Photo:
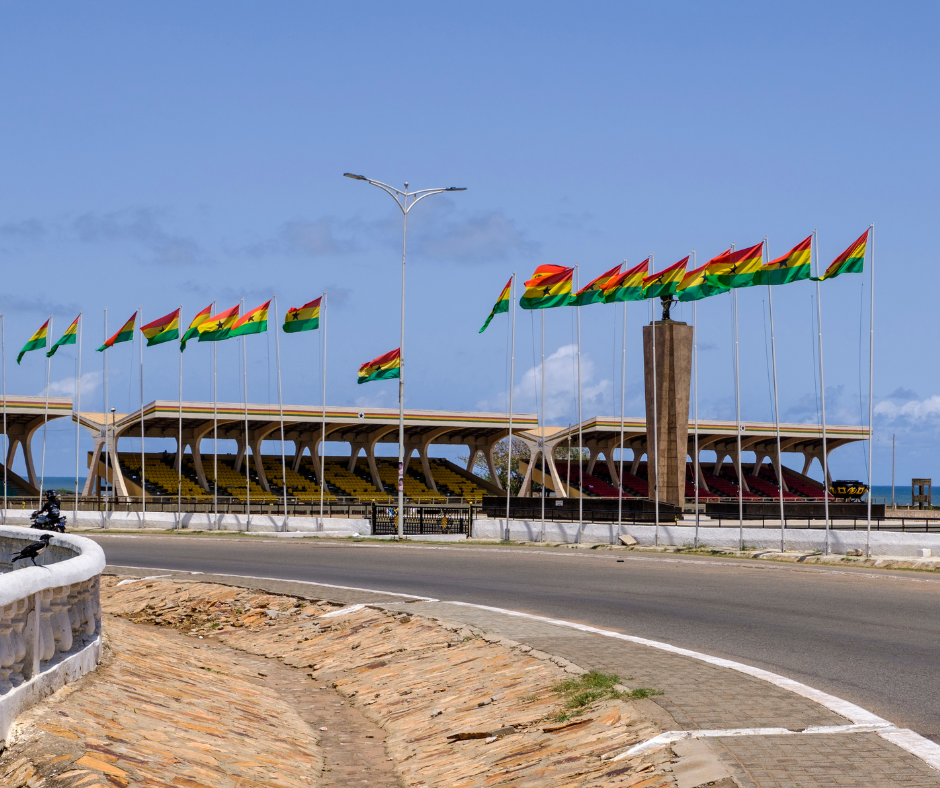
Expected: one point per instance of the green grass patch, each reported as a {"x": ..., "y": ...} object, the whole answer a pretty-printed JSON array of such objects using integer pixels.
[{"x": 591, "y": 687}]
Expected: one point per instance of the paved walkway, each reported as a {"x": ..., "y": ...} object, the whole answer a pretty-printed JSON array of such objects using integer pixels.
[{"x": 697, "y": 696}]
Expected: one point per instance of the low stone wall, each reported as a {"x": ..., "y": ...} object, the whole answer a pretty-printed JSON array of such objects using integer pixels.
[
  {"x": 50, "y": 618},
  {"x": 338, "y": 526},
  {"x": 883, "y": 543}
]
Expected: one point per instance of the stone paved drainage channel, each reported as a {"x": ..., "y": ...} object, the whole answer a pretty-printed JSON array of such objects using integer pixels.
[{"x": 698, "y": 695}]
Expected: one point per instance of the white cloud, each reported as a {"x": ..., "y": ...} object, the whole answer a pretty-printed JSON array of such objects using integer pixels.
[
  {"x": 561, "y": 380},
  {"x": 65, "y": 387},
  {"x": 481, "y": 237},
  {"x": 912, "y": 411}
]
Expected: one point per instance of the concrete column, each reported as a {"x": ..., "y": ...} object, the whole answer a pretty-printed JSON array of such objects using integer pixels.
[
  {"x": 354, "y": 449},
  {"x": 673, "y": 381},
  {"x": 491, "y": 464}
]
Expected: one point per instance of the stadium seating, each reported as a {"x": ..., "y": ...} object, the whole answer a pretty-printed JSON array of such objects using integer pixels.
[
  {"x": 162, "y": 479},
  {"x": 232, "y": 482},
  {"x": 299, "y": 487},
  {"x": 453, "y": 484},
  {"x": 801, "y": 486},
  {"x": 413, "y": 487}
]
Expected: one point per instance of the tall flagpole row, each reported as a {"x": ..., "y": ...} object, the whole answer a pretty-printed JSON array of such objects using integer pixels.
[
  {"x": 247, "y": 441},
  {"x": 737, "y": 408},
  {"x": 78, "y": 418},
  {"x": 577, "y": 271},
  {"x": 695, "y": 464},
  {"x": 179, "y": 445},
  {"x": 655, "y": 426},
  {"x": 773, "y": 356},
  {"x": 512, "y": 378},
  {"x": 871, "y": 383},
  {"x": 323, "y": 412},
  {"x": 542, "y": 436},
  {"x": 280, "y": 404},
  {"x": 143, "y": 456},
  {"x": 45, "y": 419},
  {"x": 623, "y": 395},
  {"x": 822, "y": 390}
]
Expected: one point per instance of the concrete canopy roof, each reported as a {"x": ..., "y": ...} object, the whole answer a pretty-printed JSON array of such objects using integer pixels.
[
  {"x": 352, "y": 425},
  {"x": 715, "y": 435}
]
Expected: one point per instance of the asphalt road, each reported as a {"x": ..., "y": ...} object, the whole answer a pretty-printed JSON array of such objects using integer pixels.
[{"x": 871, "y": 637}]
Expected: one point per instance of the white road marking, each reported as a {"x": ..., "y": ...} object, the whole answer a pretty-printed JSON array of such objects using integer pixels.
[
  {"x": 907, "y": 740},
  {"x": 342, "y": 612},
  {"x": 138, "y": 579},
  {"x": 669, "y": 737}
]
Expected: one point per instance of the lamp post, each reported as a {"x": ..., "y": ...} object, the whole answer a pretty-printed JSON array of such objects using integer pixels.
[{"x": 405, "y": 200}]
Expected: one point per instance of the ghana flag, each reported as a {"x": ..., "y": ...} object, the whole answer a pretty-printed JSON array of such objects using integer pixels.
[
  {"x": 163, "y": 330},
  {"x": 549, "y": 286},
  {"x": 741, "y": 268},
  {"x": 502, "y": 304},
  {"x": 303, "y": 318},
  {"x": 665, "y": 282},
  {"x": 68, "y": 338},
  {"x": 792, "y": 267},
  {"x": 386, "y": 367},
  {"x": 627, "y": 286},
  {"x": 193, "y": 330},
  {"x": 219, "y": 327},
  {"x": 851, "y": 261},
  {"x": 36, "y": 341},
  {"x": 697, "y": 284},
  {"x": 253, "y": 322},
  {"x": 126, "y": 334},
  {"x": 593, "y": 293}
]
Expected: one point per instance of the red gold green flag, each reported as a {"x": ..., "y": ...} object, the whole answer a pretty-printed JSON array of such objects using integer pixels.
[
  {"x": 35, "y": 342},
  {"x": 741, "y": 269},
  {"x": 385, "y": 367},
  {"x": 253, "y": 322},
  {"x": 549, "y": 286},
  {"x": 303, "y": 318},
  {"x": 219, "y": 327},
  {"x": 792, "y": 267},
  {"x": 193, "y": 330},
  {"x": 68, "y": 338},
  {"x": 502, "y": 304},
  {"x": 851, "y": 261},
  {"x": 126, "y": 334},
  {"x": 627, "y": 286},
  {"x": 163, "y": 330},
  {"x": 666, "y": 281},
  {"x": 593, "y": 293},
  {"x": 697, "y": 284}
]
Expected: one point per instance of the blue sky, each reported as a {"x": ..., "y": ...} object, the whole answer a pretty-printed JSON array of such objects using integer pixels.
[{"x": 158, "y": 154}]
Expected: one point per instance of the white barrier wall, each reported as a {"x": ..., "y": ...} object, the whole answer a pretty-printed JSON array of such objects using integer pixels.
[
  {"x": 883, "y": 543},
  {"x": 338, "y": 526},
  {"x": 50, "y": 618}
]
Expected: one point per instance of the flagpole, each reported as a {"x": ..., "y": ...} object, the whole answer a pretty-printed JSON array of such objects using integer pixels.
[
  {"x": 773, "y": 356},
  {"x": 577, "y": 274},
  {"x": 245, "y": 455},
  {"x": 45, "y": 421},
  {"x": 542, "y": 437},
  {"x": 871, "y": 384},
  {"x": 822, "y": 389},
  {"x": 737, "y": 408},
  {"x": 6, "y": 438},
  {"x": 623, "y": 383},
  {"x": 512, "y": 377},
  {"x": 107, "y": 458},
  {"x": 695, "y": 465},
  {"x": 215, "y": 429},
  {"x": 143, "y": 456},
  {"x": 323, "y": 414},
  {"x": 280, "y": 404},
  {"x": 179, "y": 446},
  {"x": 78, "y": 418},
  {"x": 655, "y": 430}
]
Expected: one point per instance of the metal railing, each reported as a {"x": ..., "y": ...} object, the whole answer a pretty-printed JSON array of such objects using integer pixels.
[
  {"x": 418, "y": 520},
  {"x": 906, "y": 525}
]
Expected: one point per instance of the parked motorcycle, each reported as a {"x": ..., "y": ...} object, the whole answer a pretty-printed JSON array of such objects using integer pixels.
[{"x": 43, "y": 522}]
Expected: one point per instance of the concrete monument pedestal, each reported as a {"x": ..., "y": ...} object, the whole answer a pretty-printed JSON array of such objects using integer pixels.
[{"x": 673, "y": 379}]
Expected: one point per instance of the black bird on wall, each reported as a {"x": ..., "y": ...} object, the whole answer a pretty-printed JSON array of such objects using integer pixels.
[{"x": 32, "y": 550}]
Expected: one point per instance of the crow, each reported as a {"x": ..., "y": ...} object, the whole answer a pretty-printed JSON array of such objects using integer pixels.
[{"x": 32, "y": 550}]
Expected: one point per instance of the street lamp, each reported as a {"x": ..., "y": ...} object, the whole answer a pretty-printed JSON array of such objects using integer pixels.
[{"x": 405, "y": 200}]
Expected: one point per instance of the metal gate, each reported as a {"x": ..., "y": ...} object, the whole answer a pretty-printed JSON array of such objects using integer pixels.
[{"x": 422, "y": 520}]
